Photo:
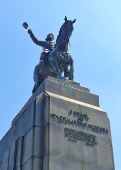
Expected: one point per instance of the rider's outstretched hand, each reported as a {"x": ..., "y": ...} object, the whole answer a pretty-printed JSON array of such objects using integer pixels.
[{"x": 29, "y": 31}]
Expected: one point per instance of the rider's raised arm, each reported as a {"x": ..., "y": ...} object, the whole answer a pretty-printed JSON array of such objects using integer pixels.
[{"x": 35, "y": 40}]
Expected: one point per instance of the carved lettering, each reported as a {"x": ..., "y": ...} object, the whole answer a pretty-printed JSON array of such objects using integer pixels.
[
  {"x": 79, "y": 115},
  {"x": 78, "y": 122},
  {"x": 97, "y": 129},
  {"x": 74, "y": 136}
]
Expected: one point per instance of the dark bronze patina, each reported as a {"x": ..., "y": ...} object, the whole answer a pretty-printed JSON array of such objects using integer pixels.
[{"x": 55, "y": 58}]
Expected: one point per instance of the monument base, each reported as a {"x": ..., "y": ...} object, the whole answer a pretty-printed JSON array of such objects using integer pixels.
[{"x": 60, "y": 127}]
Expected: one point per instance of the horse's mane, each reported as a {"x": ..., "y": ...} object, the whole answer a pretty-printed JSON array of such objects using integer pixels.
[{"x": 60, "y": 31}]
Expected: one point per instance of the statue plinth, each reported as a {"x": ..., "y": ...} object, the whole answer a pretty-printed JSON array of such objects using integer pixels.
[{"x": 60, "y": 127}]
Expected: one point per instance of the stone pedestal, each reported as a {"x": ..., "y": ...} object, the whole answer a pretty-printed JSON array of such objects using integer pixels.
[{"x": 61, "y": 127}]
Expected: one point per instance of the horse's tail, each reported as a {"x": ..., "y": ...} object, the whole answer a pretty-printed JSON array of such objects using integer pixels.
[{"x": 36, "y": 73}]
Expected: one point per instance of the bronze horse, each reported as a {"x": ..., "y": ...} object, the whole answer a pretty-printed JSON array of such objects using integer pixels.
[{"x": 59, "y": 59}]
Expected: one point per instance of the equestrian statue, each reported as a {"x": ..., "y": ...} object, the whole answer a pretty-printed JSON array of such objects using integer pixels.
[{"x": 55, "y": 58}]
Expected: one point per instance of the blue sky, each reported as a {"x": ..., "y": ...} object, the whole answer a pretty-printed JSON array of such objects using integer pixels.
[{"x": 95, "y": 47}]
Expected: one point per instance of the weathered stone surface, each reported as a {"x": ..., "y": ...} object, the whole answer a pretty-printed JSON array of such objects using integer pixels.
[
  {"x": 0, "y": 165},
  {"x": 6, "y": 142},
  {"x": 78, "y": 150},
  {"x": 39, "y": 116},
  {"x": 28, "y": 146},
  {"x": 37, "y": 163},
  {"x": 11, "y": 163},
  {"x": 19, "y": 168},
  {"x": 46, "y": 162},
  {"x": 19, "y": 126},
  {"x": 46, "y": 140},
  {"x": 63, "y": 88},
  {"x": 59, "y": 144},
  {"x": 33, "y": 164},
  {"x": 62, "y": 163},
  {"x": 5, "y": 160},
  {"x": 28, "y": 165},
  {"x": 61, "y": 127},
  {"x": 28, "y": 117},
  {"x": 88, "y": 166},
  {"x": 38, "y": 142},
  {"x": 19, "y": 151},
  {"x": 46, "y": 109},
  {"x": 53, "y": 86},
  {"x": 104, "y": 150}
]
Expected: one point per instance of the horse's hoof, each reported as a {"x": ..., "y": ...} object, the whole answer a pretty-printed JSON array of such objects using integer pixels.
[
  {"x": 62, "y": 78},
  {"x": 71, "y": 77},
  {"x": 58, "y": 77}
]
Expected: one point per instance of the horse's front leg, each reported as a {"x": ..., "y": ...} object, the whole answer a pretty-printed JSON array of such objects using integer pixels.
[
  {"x": 71, "y": 74},
  {"x": 53, "y": 62}
]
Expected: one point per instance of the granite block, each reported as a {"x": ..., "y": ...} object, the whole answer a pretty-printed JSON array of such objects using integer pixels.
[
  {"x": 105, "y": 156},
  {"x": 25, "y": 121},
  {"x": 56, "y": 139},
  {"x": 60, "y": 127},
  {"x": 78, "y": 150},
  {"x": 0, "y": 165},
  {"x": 46, "y": 163},
  {"x": 19, "y": 126},
  {"x": 29, "y": 119},
  {"x": 20, "y": 168},
  {"x": 89, "y": 153},
  {"x": 88, "y": 166},
  {"x": 6, "y": 142},
  {"x": 38, "y": 142},
  {"x": 19, "y": 151},
  {"x": 62, "y": 163},
  {"x": 60, "y": 146},
  {"x": 40, "y": 90},
  {"x": 46, "y": 141},
  {"x": 28, "y": 145},
  {"x": 37, "y": 163},
  {"x": 33, "y": 163},
  {"x": 28, "y": 165},
  {"x": 11, "y": 164},
  {"x": 5, "y": 160},
  {"x": 71, "y": 92},
  {"x": 39, "y": 116},
  {"x": 46, "y": 109}
]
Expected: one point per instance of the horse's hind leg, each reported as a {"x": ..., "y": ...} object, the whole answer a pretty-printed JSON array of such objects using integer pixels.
[
  {"x": 71, "y": 74},
  {"x": 66, "y": 72}
]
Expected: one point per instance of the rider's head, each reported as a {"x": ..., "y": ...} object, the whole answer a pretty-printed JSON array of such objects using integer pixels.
[{"x": 50, "y": 37}]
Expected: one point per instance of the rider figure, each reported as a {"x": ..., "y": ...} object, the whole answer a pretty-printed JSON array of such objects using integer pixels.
[{"x": 47, "y": 45}]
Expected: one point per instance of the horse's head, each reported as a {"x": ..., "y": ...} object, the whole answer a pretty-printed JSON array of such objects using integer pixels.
[
  {"x": 68, "y": 28},
  {"x": 65, "y": 31}
]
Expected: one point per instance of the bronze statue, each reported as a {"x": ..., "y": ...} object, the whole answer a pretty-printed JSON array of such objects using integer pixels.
[{"x": 55, "y": 57}]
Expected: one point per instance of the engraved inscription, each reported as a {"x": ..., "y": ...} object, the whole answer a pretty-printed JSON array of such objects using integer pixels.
[
  {"x": 79, "y": 123},
  {"x": 65, "y": 120},
  {"x": 79, "y": 115},
  {"x": 74, "y": 136},
  {"x": 97, "y": 129},
  {"x": 80, "y": 120}
]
